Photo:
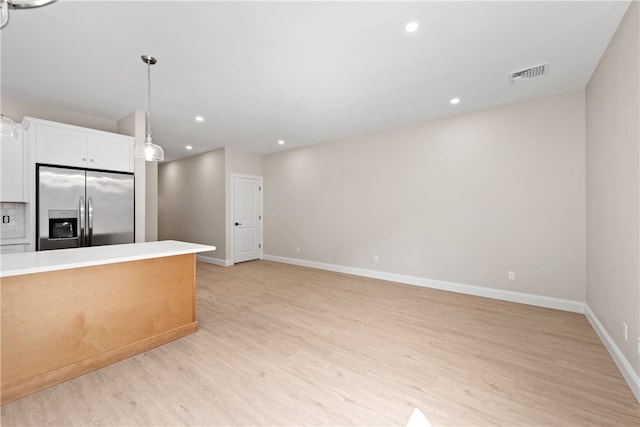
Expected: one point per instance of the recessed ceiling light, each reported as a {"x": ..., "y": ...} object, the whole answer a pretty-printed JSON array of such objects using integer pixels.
[
  {"x": 188, "y": 147},
  {"x": 454, "y": 101},
  {"x": 199, "y": 119},
  {"x": 281, "y": 142},
  {"x": 412, "y": 27}
]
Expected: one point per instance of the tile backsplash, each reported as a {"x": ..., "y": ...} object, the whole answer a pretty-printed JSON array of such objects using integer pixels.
[{"x": 12, "y": 220}]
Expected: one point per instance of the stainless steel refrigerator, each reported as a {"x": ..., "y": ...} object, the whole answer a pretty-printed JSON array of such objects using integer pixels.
[{"x": 78, "y": 207}]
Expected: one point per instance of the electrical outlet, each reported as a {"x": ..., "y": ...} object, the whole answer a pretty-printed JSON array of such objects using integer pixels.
[
  {"x": 512, "y": 275},
  {"x": 6, "y": 219},
  {"x": 298, "y": 249},
  {"x": 625, "y": 331},
  {"x": 375, "y": 258}
]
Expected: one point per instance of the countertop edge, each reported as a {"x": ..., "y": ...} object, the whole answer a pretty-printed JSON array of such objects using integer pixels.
[{"x": 20, "y": 271}]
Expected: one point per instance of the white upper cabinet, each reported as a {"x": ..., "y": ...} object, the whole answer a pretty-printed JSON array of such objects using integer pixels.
[
  {"x": 12, "y": 157},
  {"x": 57, "y": 146},
  {"x": 66, "y": 145},
  {"x": 109, "y": 153}
]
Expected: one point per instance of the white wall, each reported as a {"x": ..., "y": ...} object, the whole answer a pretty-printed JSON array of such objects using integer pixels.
[
  {"x": 151, "y": 202},
  {"x": 463, "y": 199},
  {"x": 133, "y": 124},
  {"x": 613, "y": 188}
]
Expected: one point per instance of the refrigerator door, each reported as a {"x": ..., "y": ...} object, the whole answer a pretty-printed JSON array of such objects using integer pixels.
[
  {"x": 109, "y": 208},
  {"x": 61, "y": 194}
]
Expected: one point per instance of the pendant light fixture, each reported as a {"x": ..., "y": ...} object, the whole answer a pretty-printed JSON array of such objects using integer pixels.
[
  {"x": 148, "y": 150},
  {"x": 7, "y": 127},
  {"x": 5, "y": 5}
]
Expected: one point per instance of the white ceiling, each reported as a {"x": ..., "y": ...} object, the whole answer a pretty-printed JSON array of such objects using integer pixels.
[{"x": 305, "y": 72}]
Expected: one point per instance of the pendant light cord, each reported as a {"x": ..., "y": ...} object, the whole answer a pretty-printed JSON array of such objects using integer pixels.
[{"x": 148, "y": 138}]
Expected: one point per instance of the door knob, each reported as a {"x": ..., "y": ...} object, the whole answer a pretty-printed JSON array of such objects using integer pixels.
[{"x": 237, "y": 223}]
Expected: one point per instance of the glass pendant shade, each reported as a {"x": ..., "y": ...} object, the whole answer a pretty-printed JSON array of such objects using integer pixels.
[
  {"x": 150, "y": 151},
  {"x": 28, "y": 4},
  {"x": 7, "y": 127},
  {"x": 5, "y": 5}
]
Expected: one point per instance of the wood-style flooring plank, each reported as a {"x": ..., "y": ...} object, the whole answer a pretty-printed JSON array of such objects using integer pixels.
[{"x": 285, "y": 345}]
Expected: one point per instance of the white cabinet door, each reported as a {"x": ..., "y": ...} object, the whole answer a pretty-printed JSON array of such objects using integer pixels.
[
  {"x": 65, "y": 147},
  {"x": 114, "y": 153},
  {"x": 12, "y": 157}
]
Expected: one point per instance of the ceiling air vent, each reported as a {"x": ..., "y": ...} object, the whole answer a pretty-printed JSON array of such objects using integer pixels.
[{"x": 529, "y": 73}]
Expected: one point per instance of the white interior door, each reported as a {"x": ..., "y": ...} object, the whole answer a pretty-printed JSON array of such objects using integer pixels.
[{"x": 247, "y": 218}]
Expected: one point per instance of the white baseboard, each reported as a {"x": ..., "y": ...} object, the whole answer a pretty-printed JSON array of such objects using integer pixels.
[
  {"x": 523, "y": 298},
  {"x": 216, "y": 261},
  {"x": 630, "y": 376}
]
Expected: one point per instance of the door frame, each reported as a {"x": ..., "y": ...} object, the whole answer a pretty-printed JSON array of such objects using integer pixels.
[{"x": 230, "y": 226}]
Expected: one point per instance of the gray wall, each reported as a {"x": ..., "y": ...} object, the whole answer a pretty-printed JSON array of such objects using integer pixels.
[
  {"x": 613, "y": 187},
  {"x": 463, "y": 199},
  {"x": 191, "y": 195}
]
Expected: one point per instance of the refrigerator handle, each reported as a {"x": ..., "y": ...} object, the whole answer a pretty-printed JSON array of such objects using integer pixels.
[
  {"x": 81, "y": 225},
  {"x": 90, "y": 227}
]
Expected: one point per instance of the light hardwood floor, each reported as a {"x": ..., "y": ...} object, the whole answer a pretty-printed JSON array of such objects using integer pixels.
[{"x": 285, "y": 345}]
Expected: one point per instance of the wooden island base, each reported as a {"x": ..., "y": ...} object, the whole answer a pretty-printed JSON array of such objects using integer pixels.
[{"x": 58, "y": 325}]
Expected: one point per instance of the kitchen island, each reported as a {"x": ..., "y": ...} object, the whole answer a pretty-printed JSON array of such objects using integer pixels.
[{"x": 72, "y": 311}]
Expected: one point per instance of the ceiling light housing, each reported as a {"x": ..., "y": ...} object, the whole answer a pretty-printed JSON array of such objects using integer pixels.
[
  {"x": 411, "y": 27},
  {"x": 188, "y": 147},
  {"x": 281, "y": 142},
  {"x": 199, "y": 119},
  {"x": 455, "y": 101}
]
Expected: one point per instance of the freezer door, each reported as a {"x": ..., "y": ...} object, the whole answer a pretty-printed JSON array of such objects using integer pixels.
[
  {"x": 61, "y": 194},
  {"x": 109, "y": 208}
]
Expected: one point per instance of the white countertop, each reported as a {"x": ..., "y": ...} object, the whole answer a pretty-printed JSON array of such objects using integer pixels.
[{"x": 61, "y": 259}]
